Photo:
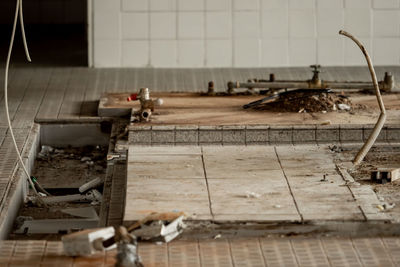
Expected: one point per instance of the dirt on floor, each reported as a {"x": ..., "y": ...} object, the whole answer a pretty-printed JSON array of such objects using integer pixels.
[
  {"x": 69, "y": 167},
  {"x": 309, "y": 101},
  {"x": 61, "y": 172},
  {"x": 379, "y": 157},
  {"x": 197, "y": 109}
]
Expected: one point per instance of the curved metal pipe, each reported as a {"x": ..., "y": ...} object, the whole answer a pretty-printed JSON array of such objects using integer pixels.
[{"x": 382, "y": 117}]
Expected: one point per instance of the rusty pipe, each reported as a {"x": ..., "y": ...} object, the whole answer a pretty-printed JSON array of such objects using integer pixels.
[
  {"x": 384, "y": 85},
  {"x": 382, "y": 117}
]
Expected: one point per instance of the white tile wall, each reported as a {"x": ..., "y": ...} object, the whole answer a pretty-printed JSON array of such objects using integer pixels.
[
  {"x": 275, "y": 52},
  {"x": 246, "y": 24},
  {"x": 331, "y": 51},
  {"x": 135, "y": 26},
  {"x": 191, "y": 53},
  {"x": 353, "y": 55},
  {"x": 302, "y": 51},
  {"x": 358, "y": 21},
  {"x": 330, "y": 21},
  {"x": 135, "y": 5},
  {"x": 386, "y": 51},
  {"x": 271, "y": 4},
  {"x": 275, "y": 23},
  {"x": 246, "y": 4},
  {"x": 163, "y": 25},
  {"x": 107, "y": 53},
  {"x": 190, "y": 25},
  {"x": 135, "y": 53},
  {"x": 162, "y": 5},
  {"x": 302, "y": 23},
  {"x": 219, "y": 25},
  {"x": 218, "y": 5},
  {"x": 190, "y": 5},
  {"x": 243, "y": 33},
  {"x": 163, "y": 53},
  {"x": 386, "y": 4},
  {"x": 381, "y": 26},
  {"x": 219, "y": 53},
  {"x": 246, "y": 53}
]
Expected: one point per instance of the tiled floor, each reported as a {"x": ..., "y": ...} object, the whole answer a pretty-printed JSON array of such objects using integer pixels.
[
  {"x": 224, "y": 252},
  {"x": 238, "y": 183}
]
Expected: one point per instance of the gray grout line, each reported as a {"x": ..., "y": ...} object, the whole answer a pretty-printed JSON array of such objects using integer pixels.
[
  {"x": 288, "y": 184},
  {"x": 388, "y": 250},
  {"x": 338, "y": 170}
]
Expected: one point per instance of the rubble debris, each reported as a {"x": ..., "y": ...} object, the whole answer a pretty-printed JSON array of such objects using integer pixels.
[
  {"x": 159, "y": 226},
  {"x": 343, "y": 107},
  {"x": 96, "y": 182},
  {"x": 127, "y": 252},
  {"x": 172, "y": 230},
  {"x": 67, "y": 198},
  {"x": 389, "y": 206},
  {"x": 88, "y": 242},
  {"x": 302, "y": 100},
  {"x": 324, "y": 178},
  {"x": 252, "y": 194},
  {"x": 335, "y": 148},
  {"x": 385, "y": 175},
  {"x": 218, "y": 236},
  {"x": 85, "y": 212},
  {"x": 386, "y": 206},
  {"x": 45, "y": 152},
  {"x": 380, "y": 207},
  {"x": 84, "y": 159},
  {"x": 55, "y": 226},
  {"x": 161, "y": 231},
  {"x": 39, "y": 188},
  {"x": 95, "y": 196},
  {"x": 165, "y": 216}
]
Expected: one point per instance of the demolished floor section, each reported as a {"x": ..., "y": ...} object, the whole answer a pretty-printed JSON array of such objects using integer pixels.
[{"x": 245, "y": 184}]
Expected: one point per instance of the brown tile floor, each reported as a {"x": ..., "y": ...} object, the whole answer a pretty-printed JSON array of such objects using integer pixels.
[{"x": 223, "y": 252}]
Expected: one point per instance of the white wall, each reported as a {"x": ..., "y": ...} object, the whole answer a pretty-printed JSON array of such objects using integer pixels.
[{"x": 243, "y": 33}]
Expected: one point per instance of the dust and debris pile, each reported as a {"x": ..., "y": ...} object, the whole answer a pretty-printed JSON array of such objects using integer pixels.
[{"x": 303, "y": 101}]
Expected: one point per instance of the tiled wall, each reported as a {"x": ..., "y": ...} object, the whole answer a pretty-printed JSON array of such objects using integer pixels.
[{"x": 243, "y": 33}]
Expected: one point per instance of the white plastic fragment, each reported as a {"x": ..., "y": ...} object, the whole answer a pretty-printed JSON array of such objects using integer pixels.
[
  {"x": 252, "y": 194},
  {"x": 87, "y": 242},
  {"x": 343, "y": 107},
  {"x": 172, "y": 230}
]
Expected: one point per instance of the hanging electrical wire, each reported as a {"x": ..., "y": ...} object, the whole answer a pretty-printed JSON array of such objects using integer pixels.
[{"x": 18, "y": 13}]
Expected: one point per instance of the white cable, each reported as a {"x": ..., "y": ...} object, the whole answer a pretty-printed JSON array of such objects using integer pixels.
[
  {"x": 18, "y": 8},
  {"x": 21, "y": 21}
]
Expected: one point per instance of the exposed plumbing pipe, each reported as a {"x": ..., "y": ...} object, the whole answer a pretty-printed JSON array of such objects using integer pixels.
[{"x": 382, "y": 117}]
